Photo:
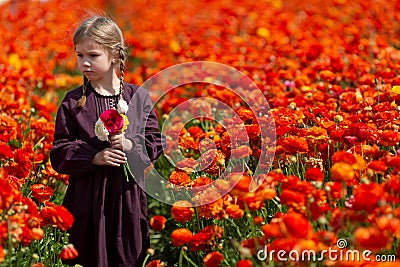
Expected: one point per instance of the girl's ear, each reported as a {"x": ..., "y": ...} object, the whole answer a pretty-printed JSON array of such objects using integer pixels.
[{"x": 115, "y": 57}]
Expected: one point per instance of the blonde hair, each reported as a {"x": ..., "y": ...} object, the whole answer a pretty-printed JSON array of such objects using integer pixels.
[{"x": 105, "y": 32}]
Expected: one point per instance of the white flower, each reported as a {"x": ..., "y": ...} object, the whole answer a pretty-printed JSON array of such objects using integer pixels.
[
  {"x": 122, "y": 106},
  {"x": 100, "y": 130}
]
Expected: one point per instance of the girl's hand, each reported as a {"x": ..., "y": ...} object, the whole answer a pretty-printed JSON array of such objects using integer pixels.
[
  {"x": 110, "y": 156},
  {"x": 118, "y": 141}
]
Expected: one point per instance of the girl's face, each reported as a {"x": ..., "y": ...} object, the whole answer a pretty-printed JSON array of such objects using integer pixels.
[{"x": 94, "y": 61}]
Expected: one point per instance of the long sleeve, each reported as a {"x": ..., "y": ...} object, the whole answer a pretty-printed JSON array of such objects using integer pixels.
[
  {"x": 68, "y": 154},
  {"x": 143, "y": 130}
]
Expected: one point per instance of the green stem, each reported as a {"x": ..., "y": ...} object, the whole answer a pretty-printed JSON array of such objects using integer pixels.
[
  {"x": 145, "y": 260},
  {"x": 188, "y": 259}
]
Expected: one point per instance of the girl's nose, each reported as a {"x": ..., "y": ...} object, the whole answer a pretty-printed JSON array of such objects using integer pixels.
[{"x": 86, "y": 63}]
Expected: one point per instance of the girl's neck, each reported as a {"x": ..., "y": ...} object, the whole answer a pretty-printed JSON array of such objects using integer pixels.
[{"x": 104, "y": 87}]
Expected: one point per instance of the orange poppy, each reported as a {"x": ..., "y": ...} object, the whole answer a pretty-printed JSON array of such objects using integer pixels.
[
  {"x": 181, "y": 236},
  {"x": 179, "y": 178},
  {"x": 209, "y": 203},
  {"x": 342, "y": 171},
  {"x": 182, "y": 211},
  {"x": 234, "y": 211},
  {"x": 8, "y": 128}
]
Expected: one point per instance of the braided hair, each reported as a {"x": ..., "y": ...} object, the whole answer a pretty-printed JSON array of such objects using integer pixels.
[
  {"x": 105, "y": 32},
  {"x": 122, "y": 67}
]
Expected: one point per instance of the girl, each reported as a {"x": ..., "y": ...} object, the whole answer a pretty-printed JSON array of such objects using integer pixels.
[{"x": 111, "y": 226}]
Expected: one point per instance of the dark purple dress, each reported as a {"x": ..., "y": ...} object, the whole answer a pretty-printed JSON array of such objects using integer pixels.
[{"x": 111, "y": 225}]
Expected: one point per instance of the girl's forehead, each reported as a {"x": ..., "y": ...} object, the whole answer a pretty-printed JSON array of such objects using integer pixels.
[{"x": 89, "y": 44}]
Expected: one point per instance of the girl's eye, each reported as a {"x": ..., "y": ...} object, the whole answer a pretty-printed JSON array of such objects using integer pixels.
[
  {"x": 94, "y": 55},
  {"x": 79, "y": 55}
]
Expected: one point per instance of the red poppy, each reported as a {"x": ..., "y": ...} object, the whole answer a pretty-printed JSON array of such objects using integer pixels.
[
  {"x": 371, "y": 238},
  {"x": 368, "y": 196},
  {"x": 158, "y": 222},
  {"x": 5, "y": 151},
  {"x": 206, "y": 238},
  {"x": 213, "y": 259},
  {"x": 112, "y": 120},
  {"x": 57, "y": 216},
  {"x": 41, "y": 192},
  {"x": 244, "y": 263},
  {"x": 297, "y": 225},
  {"x": 213, "y": 162},
  {"x": 155, "y": 263},
  {"x": 8, "y": 194},
  {"x": 68, "y": 252},
  {"x": 314, "y": 174}
]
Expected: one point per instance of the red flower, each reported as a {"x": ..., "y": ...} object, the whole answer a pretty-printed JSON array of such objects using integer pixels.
[
  {"x": 113, "y": 121},
  {"x": 213, "y": 162},
  {"x": 5, "y": 151},
  {"x": 8, "y": 194},
  {"x": 68, "y": 253},
  {"x": 297, "y": 225},
  {"x": 367, "y": 197},
  {"x": 181, "y": 236},
  {"x": 41, "y": 192},
  {"x": 57, "y": 216},
  {"x": 1, "y": 254},
  {"x": 371, "y": 238},
  {"x": 206, "y": 238},
  {"x": 8, "y": 128},
  {"x": 158, "y": 222},
  {"x": 314, "y": 174},
  {"x": 244, "y": 263},
  {"x": 213, "y": 259},
  {"x": 155, "y": 263}
]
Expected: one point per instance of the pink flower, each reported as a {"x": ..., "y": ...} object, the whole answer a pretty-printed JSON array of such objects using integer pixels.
[{"x": 113, "y": 121}]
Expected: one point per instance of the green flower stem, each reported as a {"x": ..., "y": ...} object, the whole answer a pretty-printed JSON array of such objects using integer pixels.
[
  {"x": 187, "y": 258},
  {"x": 145, "y": 260}
]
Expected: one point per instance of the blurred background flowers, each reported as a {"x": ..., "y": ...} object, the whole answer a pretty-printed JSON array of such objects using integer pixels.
[{"x": 329, "y": 71}]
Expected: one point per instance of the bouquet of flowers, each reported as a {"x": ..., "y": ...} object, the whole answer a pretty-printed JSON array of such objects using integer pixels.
[{"x": 113, "y": 121}]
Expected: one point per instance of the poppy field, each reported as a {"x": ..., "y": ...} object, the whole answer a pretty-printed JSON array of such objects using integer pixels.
[{"x": 295, "y": 159}]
